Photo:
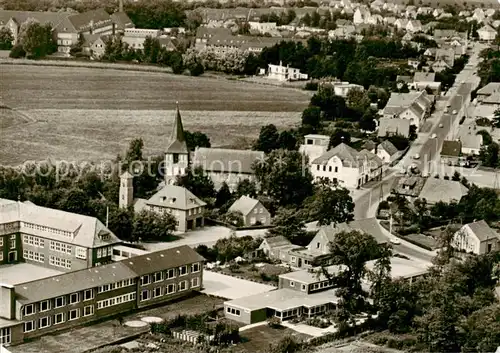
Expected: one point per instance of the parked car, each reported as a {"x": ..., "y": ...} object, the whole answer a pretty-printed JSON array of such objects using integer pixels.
[
  {"x": 454, "y": 112},
  {"x": 395, "y": 241},
  {"x": 416, "y": 156},
  {"x": 440, "y": 125},
  {"x": 433, "y": 136}
]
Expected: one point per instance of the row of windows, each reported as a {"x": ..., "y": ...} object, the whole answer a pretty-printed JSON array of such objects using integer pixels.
[
  {"x": 48, "y": 229},
  {"x": 58, "y": 302},
  {"x": 12, "y": 241},
  {"x": 60, "y": 247},
  {"x": 169, "y": 289},
  {"x": 168, "y": 274},
  {"x": 35, "y": 241},
  {"x": 103, "y": 252},
  {"x": 194, "y": 211},
  {"x": 116, "y": 285},
  {"x": 233, "y": 311},
  {"x": 58, "y": 318},
  {"x": 35, "y": 256},
  {"x": 329, "y": 168},
  {"x": 60, "y": 262},
  {"x": 5, "y": 336},
  {"x": 116, "y": 300}
]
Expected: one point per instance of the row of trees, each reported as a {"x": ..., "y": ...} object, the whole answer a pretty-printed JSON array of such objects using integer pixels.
[{"x": 35, "y": 40}]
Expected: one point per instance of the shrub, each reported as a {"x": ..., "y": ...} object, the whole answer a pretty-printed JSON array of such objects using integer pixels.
[
  {"x": 197, "y": 69},
  {"x": 413, "y": 229},
  {"x": 274, "y": 322},
  {"x": 265, "y": 277},
  {"x": 17, "y": 52},
  {"x": 311, "y": 86},
  {"x": 235, "y": 268}
]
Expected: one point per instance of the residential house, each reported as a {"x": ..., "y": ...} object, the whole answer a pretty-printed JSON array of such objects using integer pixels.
[
  {"x": 411, "y": 12},
  {"x": 284, "y": 73},
  {"x": 386, "y": 151},
  {"x": 447, "y": 55},
  {"x": 414, "y": 63},
  {"x": 94, "y": 45},
  {"x": 204, "y": 33},
  {"x": 342, "y": 32},
  {"x": 424, "y": 80},
  {"x": 430, "y": 53},
  {"x": 489, "y": 12},
  {"x": 135, "y": 37},
  {"x": 440, "y": 65},
  {"x": 451, "y": 152},
  {"x": 477, "y": 238},
  {"x": 488, "y": 90},
  {"x": 412, "y": 106},
  {"x": 377, "y": 5},
  {"x": 401, "y": 23},
  {"x": 390, "y": 20},
  {"x": 393, "y": 126},
  {"x": 470, "y": 140},
  {"x": 436, "y": 190},
  {"x": 52, "y": 238},
  {"x": 350, "y": 167},
  {"x": 278, "y": 248},
  {"x": 361, "y": 15},
  {"x": 414, "y": 26},
  {"x": 464, "y": 13},
  {"x": 487, "y": 33},
  {"x": 493, "y": 100},
  {"x": 252, "y": 210},
  {"x": 60, "y": 302},
  {"x": 437, "y": 12},
  {"x": 342, "y": 88},
  {"x": 227, "y": 165},
  {"x": 121, "y": 21},
  {"x": 262, "y": 27},
  {"x": 314, "y": 146},
  {"x": 375, "y": 19},
  {"x": 424, "y": 10}
]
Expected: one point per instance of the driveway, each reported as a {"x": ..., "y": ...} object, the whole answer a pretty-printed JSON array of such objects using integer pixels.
[{"x": 229, "y": 287}]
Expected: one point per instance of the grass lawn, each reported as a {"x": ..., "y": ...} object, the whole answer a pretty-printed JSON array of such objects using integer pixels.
[
  {"x": 258, "y": 339},
  {"x": 82, "y": 114},
  {"x": 265, "y": 274}
]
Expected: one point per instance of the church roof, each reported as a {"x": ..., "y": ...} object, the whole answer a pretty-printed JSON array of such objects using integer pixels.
[{"x": 177, "y": 142}]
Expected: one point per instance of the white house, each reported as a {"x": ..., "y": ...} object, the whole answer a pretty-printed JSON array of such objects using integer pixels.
[
  {"x": 342, "y": 88},
  {"x": 477, "y": 238},
  {"x": 284, "y": 73},
  {"x": 414, "y": 26},
  {"x": 350, "y": 167},
  {"x": 411, "y": 106},
  {"x": 401, "y": 23},
  {"x": 486, "y": 33},
  {"x": 262, "y": 27}
]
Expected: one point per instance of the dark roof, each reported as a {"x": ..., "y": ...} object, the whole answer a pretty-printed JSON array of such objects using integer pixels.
[
  {"x": 451, "y": 148},
  {"x": 76, "y": 281},
  {"x": 277, "y": 241},
  {"x": 43, "y": 17},
  {"x": 227, "y": 160},
  {"x": 177, "y": 139},
  {"x": 121, "y": 20},
  {"x": 388, "y": 147},
  {"x": 367, "y": 225},
  {"x": 97, "y": 18},
  {"x": 161, "y": 260},
  {"x": 71, "y": 282}
]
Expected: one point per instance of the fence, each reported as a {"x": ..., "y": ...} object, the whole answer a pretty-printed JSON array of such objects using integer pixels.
[{"x": 190, "y": 336}]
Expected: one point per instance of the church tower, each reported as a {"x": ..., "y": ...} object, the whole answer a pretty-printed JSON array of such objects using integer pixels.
[
  {"x": 126, "y": 190},
  {"x": 177, "y": 153}
]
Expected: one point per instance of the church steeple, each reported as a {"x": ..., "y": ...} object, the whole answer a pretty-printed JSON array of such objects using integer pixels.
[
  {"x": 177, "y": 153},
  {"x": 177, "y": 143}
]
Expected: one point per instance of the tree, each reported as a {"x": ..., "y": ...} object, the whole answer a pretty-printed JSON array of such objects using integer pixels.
[
  {"x": 483, "y": 330},
  {"x": 196, "y": 139},
  {"x": 134, "y": 152},
  {"x": 306, "y": 20},
  {"x": 17, "y": 52},
  {"x": 151, "y": 50},
  {"x": 196, "y": 181},
  {"x": 223, "y": 196},
  {"x": 339, "y": 136},
  {"x": 148, "y": 225},
  {"x": 75, "y": 200},
  {"x": 268, "y": 139},
  {"x": 488, "y": 155},
  {"x": 196, "y": 69},
  {"x": 311, "y": 116},
  {"x": 283, "y": 175},
  {"x": 331, "y": 105},
  {"x": 176, "y": 63},
  {"x": 358, "y": 100},
  {"x": 330, "y": 204},
  {"x": 121, "y": 222},
  {"x": 289, "y": 224},
  {"x": 6, "y": 39},
  {"x": 367, "y": 121},
  {"x": 352, "y": 250},
  {"x": 36, "y": 40}
]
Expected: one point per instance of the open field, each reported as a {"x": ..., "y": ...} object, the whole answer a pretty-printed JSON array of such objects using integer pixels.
[
  {"x": 44, "y": 87},
  {"x": 77, "y": 114},
  {"x": 97, "y": 135}
]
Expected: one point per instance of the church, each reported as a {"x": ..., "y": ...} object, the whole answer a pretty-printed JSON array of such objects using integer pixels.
[{"x": 176, "y": 200}]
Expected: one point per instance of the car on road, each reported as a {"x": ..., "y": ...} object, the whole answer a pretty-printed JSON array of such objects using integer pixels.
[
  {"x": 395, "y": 241},
  {"x": 416, "y": 156},
  {"x": 433, "y": 136},
  {"x": 440, "y": 125},
  {"x": 454, "y": 112}
]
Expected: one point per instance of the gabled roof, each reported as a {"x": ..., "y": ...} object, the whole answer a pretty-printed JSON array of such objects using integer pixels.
[
  {"x": 277, "y": 241},
  {"x": 244, "y": 204},
  {"x": 173, "y": 196},
  {"x": 487, "y": 28},
  {"x": 494, "y": 98},
  {"x": 177, "y": 143},
  {"x": 121, "y": 20},
  {"x": 388, "y": 147},
  {"x": 489, "y": 88},
  {"x": 436, "y": 190},
  {"x": 482, "y": 231},
  {"x": 71, "y": 228},
  {"x": 367, "y": 225},
  {"x": 227, "y": 160},
  {"x": 43, "y": 17},
  {"x": 348, "y": 155},
  {"x": 94, "y": 18},
  {"x": 424, "y": 77},
  {"x": 134, "y": 267}
]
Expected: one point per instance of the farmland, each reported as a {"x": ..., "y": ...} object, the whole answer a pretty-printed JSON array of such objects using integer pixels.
[{"x": 79, "y": 114}]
